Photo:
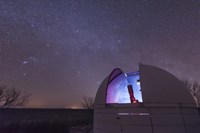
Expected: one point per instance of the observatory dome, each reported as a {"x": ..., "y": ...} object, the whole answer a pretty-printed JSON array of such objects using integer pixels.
[{"x": 149, "y": 85}]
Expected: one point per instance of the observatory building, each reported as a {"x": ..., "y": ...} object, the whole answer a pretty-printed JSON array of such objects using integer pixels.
[{"x": 150, "y": 100}]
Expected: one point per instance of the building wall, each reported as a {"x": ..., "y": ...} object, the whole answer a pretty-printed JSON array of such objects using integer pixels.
[{"x": 146, "y": 120}]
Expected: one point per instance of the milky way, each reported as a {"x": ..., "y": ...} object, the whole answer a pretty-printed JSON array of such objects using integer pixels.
[{"x": 61, "y": 50}]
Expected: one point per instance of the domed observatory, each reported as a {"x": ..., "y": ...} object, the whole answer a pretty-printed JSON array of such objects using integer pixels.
[{"x": 150, "y": 100}]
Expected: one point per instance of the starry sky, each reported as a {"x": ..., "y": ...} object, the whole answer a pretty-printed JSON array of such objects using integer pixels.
[{"x": 61, "y": 50}]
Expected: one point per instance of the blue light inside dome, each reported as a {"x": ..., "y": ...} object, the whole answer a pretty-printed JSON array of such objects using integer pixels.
[{"x": 117, "y": 91}]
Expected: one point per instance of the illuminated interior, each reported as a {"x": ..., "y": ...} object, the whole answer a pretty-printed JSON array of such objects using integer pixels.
[{"x": 119, "y": 92}]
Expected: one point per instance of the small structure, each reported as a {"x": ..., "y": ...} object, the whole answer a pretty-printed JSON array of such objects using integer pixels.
[{"x": 148, "y": 101}]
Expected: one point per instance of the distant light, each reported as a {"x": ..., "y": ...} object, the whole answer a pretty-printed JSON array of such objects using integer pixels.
[{"x": 74, "y": 107}]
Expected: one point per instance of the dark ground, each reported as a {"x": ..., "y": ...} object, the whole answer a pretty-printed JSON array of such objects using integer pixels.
[{"x": 45, "y": 121}]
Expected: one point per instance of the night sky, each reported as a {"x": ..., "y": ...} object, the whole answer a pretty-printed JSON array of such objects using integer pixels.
[{"x": 61, "y": 50}]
